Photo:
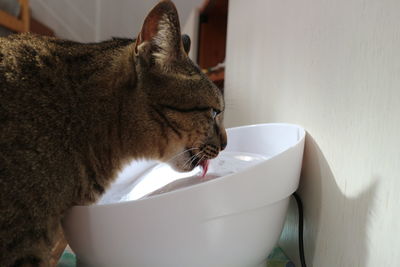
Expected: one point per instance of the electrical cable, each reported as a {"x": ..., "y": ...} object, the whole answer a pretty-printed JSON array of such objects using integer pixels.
[{"x": 301, "y": 226}]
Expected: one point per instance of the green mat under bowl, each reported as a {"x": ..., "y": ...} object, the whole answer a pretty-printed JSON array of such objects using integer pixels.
[{"x": 276, "y": 258}]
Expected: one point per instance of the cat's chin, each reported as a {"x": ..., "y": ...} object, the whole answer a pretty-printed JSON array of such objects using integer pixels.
[
  {"x": 183, "y": 161},
  {"x": 179, "y": 168},
  {"x": 184, "y": 164}
]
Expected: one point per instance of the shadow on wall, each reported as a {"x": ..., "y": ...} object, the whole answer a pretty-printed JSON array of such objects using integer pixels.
[{"x": 335, "y": 232}]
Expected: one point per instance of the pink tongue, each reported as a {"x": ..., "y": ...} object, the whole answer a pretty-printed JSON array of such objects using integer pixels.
[{"x": 204, "y": 166}]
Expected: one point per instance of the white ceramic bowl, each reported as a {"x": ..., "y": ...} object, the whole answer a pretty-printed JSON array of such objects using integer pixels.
[{"x": 231, "y": 221}]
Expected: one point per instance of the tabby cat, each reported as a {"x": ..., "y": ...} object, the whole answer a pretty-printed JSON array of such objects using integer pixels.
[{"x": 72, "y": 114}]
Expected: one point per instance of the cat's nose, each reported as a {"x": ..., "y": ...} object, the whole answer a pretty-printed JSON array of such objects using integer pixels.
[
  {"x": 223, "y": 139},
  {"x": 223, "y": 145}
]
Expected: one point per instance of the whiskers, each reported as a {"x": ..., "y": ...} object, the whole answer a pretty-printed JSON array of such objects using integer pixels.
[
  {"x": 189, "y": 162},
  {"x": 179, "y": 154}
]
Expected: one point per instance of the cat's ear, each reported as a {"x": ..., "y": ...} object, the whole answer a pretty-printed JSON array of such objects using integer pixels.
[
  {"x": 160, "y": 37},
  {"x": 186, "y": 43}
]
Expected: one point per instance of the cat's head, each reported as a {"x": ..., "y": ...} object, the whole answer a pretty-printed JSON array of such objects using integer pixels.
[{"x": 184, "y": 104}]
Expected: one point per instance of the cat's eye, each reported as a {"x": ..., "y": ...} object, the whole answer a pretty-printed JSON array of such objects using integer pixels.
[{"x": 215, "y": 113}]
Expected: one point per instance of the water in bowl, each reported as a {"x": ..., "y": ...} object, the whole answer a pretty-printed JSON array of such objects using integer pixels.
[{"x": 161, "y": 178}]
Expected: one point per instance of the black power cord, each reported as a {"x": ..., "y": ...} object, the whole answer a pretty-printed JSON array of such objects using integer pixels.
[{"x": 301, "y": 226}]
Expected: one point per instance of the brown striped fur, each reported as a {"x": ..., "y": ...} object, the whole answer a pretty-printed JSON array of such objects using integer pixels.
[{"x": 72, "y": 114}]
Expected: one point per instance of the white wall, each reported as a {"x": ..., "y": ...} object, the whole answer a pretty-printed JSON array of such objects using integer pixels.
[
  {"x": 96, "y": 20},
  {"x": 70, "y": 19},
  {"x": 334, "y": 68}
]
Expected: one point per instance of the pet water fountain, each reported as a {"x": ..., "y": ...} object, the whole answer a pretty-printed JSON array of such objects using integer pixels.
[{"x": 233, "y": 217}]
